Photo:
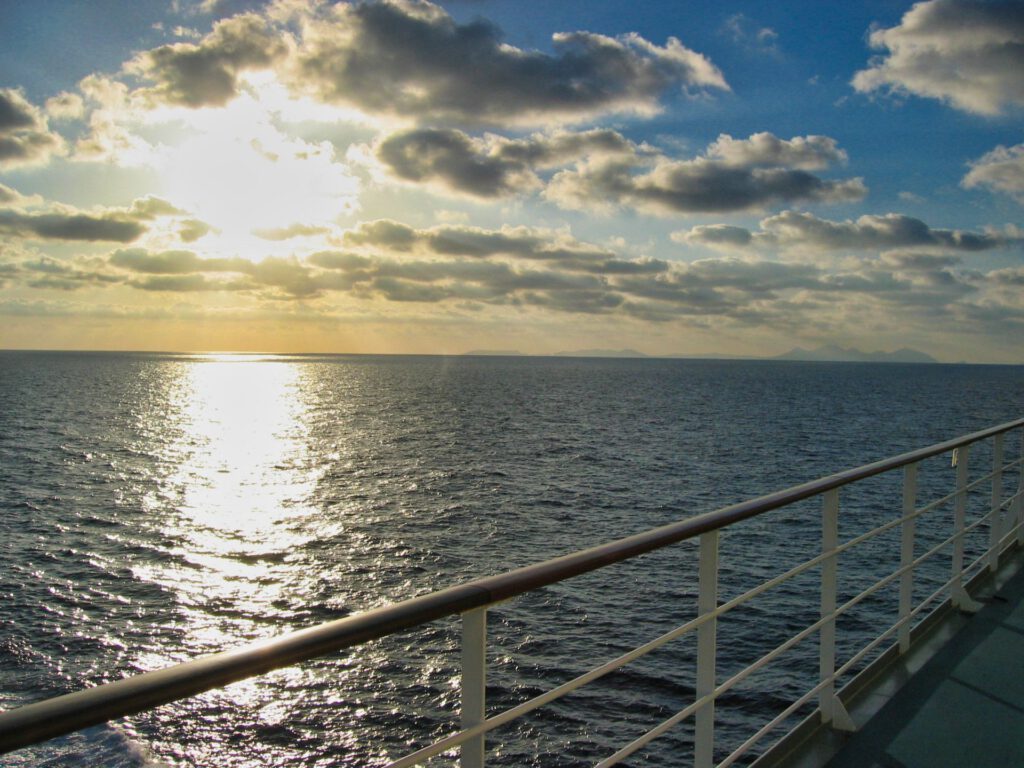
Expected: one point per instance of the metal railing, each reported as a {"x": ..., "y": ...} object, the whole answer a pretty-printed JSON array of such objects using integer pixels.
[{"x": 1004, "y": 517}]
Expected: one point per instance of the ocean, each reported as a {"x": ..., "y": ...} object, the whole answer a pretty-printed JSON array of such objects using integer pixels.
[{"x": 157, "y": 507}]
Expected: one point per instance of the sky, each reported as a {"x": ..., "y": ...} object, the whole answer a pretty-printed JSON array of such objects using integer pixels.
[{"x": 727, "y": 178}]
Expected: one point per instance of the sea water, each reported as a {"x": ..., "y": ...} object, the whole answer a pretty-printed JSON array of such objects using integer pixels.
[{"x": 154, "y": 508}]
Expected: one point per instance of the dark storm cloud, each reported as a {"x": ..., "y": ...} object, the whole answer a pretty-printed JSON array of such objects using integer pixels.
[
  {"x": 207, "y": 73},
  {"x": 25, "y": 138},
  {"x": 412, "y": 59},
  {"x": 967, "y": 53}
]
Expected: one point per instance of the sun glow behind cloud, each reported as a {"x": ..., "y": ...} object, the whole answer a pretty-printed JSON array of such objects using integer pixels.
[{"x": 240, "y": 173}]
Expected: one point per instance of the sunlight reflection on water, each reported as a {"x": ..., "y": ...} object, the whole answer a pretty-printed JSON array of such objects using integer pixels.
[{"x": 242, "y": 472}]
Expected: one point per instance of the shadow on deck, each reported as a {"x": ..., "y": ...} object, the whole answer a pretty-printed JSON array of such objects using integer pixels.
[{"x": 956, "y": 699}]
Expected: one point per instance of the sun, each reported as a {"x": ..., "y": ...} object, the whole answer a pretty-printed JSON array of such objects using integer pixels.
[{"x": 237, "y": 171}]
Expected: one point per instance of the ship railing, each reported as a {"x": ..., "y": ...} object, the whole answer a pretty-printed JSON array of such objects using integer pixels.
[{"x": 1003, "y": 517}]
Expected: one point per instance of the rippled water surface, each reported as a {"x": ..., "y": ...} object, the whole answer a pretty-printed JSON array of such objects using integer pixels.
[{"x": 158, "y": 507}]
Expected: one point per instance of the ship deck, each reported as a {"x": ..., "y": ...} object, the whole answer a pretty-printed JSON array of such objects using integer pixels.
[{"x": 956, "y": 699}]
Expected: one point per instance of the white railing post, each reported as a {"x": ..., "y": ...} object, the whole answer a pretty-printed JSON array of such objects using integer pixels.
[
  {"x": 961, "y": 600},
  {"x": 996, "y": 520},
  {"x": 907, "y": 554},
  {"x": 474, "y": 682},
  {"x": 707, "y": 602},
  {"x": 1019, "y": 517},
  {"x": 832, "y": 710}
]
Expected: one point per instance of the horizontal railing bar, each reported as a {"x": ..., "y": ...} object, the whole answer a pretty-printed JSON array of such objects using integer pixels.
[
  {"x": 739, "y": 751},
  {"x": 74, "y": 711},
  {"x": 761, "y": 662},
  {"x": 657, "y": 731},
  {"x": 566, "y": 688},
  {"x": 976, "y": 483},
  {"x": 773, "y": 723},
  {"x": 555, "y": 693},
  {"x": 859, "y": 656},
  {"x": 939, "y": 502}
]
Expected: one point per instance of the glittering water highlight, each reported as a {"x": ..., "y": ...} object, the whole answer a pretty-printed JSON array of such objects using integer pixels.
[{"x": 160, "y": 507}]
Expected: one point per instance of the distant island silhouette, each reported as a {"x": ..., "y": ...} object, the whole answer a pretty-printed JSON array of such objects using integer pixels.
[{"x": 824, "y": 353}]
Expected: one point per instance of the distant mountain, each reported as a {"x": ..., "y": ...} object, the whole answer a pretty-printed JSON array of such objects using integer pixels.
[
  {"x": 708, "y": 356},
  {"x": 601, "y": 353},
  {"x": 834, "y": 353},
  {"x": 493, "y": 353}
]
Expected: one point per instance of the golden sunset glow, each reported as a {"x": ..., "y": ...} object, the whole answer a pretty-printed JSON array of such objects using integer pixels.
[{"x": 383, "y": 175}]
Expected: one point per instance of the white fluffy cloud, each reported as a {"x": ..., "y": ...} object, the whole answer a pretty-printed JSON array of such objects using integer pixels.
[
  {"x": 1001, "y": 170},
  {"x": 967, "y": 53}
]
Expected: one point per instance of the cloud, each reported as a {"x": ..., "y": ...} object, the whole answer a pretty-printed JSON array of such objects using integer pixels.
[
  {"x": 70, "y": 225},
  {"x": 183, "y": 270},
  {"x": 207, "y": 73},
  {"x": 112, "y": 108},
  {"x": 715, "y": 236},
  {"x": 492, "y": 166},
  {"x": 191, "y": 230},
  {"x": 63, "y": 222},
  {"x": 966, "y": 53},
  {"x": 525, "y": 272},
  {"x": 8, "y": 196},
  {"x": 164, "y": 263},
  {"x": 182, "y": 284},
  {"x": 765, "y": 150},
  {"x": 527, "y": 243},
  {"x": 412, "y": 59},
  {"x": 1001, "y": 170},
  {"x": 733, "y": 175},
  {"x": 150, "y": 207},
  {"x": 744, "y": 31},
  {"x": 389, "y": 234},
  {"x": 49, "y": 273},
  {"x": 454, "y": 161},
  {"x": 12, "y": 198},
  {"x": 289, "y": 232},
  {"x": 892, "y": 230},
  {"x": 799, "y": 230},
  {"x": 25, "y": 138},
  {"x": 65, "y": 106}
]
